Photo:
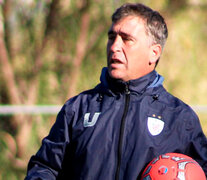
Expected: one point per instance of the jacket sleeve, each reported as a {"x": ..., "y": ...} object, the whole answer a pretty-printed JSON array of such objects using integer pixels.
[
  {"x": 195, "y": 138},
  {"x": 47, "y": 162}
]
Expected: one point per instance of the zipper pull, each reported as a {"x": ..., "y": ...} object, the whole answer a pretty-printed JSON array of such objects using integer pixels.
[{"x": 127, "y": 91}]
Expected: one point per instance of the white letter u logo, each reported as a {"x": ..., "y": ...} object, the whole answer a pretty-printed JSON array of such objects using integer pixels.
[{"x": 91, "y": 123}]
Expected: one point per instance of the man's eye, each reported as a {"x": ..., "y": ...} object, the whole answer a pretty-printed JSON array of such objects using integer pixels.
[
  {"x": 111, "y": 36},
  {"x": 126, "y": 39}
]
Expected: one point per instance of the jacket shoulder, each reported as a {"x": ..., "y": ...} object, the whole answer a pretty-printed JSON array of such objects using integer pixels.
[
  {"x": 75, "y": 101},
  {"x": 172, "y": 102}
]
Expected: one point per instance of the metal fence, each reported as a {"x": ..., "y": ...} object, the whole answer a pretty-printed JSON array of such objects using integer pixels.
[
  {"x": 54, "y": 109},
  {"x": 29, "y": 109}
]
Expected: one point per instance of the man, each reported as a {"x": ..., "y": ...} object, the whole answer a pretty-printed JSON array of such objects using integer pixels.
[{"x": 114, "y": 130}]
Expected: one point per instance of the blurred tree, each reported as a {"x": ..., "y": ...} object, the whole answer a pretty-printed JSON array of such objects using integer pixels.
[{"x": 39, "y": 40}]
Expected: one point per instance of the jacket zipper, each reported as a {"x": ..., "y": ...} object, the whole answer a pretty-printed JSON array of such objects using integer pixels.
[{"x": 121, "y": 135}]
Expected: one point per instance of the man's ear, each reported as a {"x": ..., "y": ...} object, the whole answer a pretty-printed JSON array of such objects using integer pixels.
[{"x": 155, "y": 53}]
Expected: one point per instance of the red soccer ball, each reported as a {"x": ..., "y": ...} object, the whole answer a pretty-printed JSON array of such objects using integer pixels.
[{"x": 173, "y": 166}]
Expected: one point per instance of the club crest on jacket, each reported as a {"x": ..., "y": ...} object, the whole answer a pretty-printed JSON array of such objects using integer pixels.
[{"x": 155, "y": 125}]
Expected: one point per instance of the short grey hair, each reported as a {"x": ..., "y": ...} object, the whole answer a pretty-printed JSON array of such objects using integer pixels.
[{"x": 155, "y": 25}]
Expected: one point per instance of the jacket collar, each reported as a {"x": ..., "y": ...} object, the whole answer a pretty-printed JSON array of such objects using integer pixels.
[{"x": 151, "y": 80}]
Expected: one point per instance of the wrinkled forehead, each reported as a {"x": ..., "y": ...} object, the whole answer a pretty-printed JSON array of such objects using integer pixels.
[{"x": 128, "y": 23}]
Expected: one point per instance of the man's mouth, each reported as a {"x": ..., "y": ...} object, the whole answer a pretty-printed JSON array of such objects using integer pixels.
[{"x": 116, "y": 61}]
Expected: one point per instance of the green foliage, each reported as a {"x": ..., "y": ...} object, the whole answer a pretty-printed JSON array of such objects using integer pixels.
[
  {"x": 7, "y": 171},
  {"x": 184, "y": 60}
]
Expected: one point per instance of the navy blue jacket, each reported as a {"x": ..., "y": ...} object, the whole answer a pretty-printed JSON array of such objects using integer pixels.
[{"x": 114, "y": 130}]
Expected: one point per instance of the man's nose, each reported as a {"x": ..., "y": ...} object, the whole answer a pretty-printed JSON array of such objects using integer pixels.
[{"x": 117, "y": 44}]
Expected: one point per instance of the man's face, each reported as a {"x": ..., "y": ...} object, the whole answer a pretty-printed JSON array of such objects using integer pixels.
[{"x": 128, "y": 49}]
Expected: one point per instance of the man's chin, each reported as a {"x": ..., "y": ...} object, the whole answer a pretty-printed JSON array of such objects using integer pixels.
[{"x": 116, "y": 74}]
